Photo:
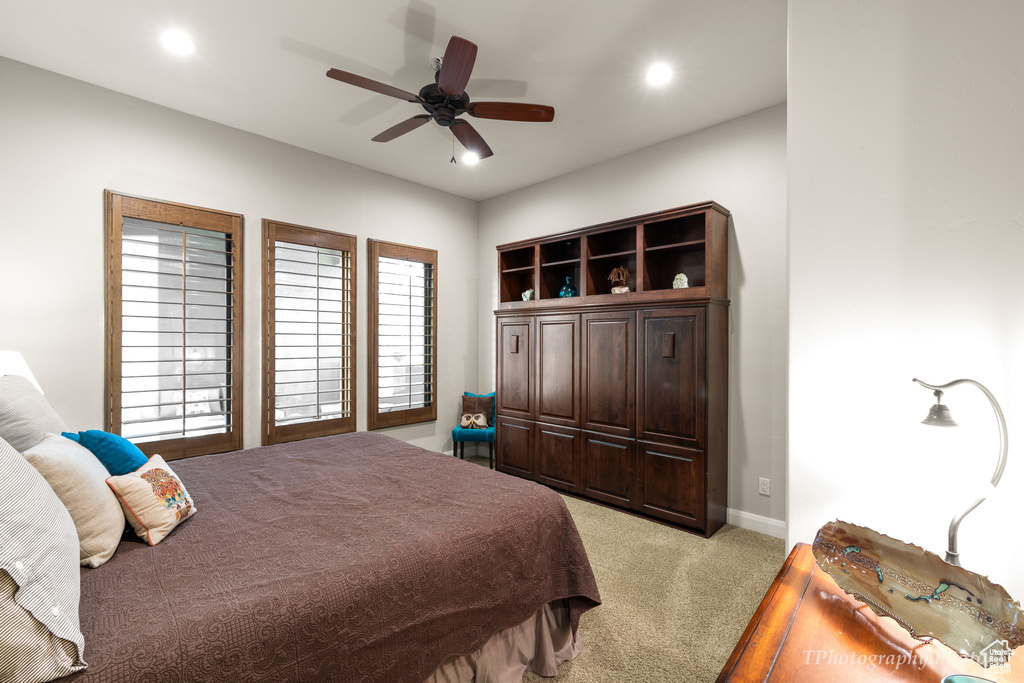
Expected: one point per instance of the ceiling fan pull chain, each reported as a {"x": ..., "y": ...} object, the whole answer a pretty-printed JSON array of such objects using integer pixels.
[{"x": 452, "y": 161}]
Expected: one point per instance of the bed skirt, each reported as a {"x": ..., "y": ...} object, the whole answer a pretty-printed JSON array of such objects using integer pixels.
[{"x": 539, "y": 644}]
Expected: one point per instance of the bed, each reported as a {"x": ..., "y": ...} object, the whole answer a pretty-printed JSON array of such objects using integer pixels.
[{"x": 345, "y": 558}]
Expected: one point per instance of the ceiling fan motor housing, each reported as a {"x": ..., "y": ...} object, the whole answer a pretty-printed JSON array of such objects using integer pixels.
[{"x": 442, "y": 108}]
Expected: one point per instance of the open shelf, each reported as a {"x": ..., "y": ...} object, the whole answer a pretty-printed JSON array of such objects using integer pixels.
[
  {"x": 612, "y": 242},
  {"x": 516, "y": 259},
  {"x": 566, "y": 262},
  {"x": 661, "y": 267},
  {"x": 598, "y": 270},
  {"x": 562, "y": 251},
  {"x": 695, "y": 244},
  {"x": 674, "y": 231},
  {"x": 553, "y": 279},
  {"x": 619, "y": 255},
  {"x": 523, "y": 269}
]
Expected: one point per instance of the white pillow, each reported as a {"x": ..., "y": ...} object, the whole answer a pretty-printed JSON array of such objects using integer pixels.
[
  {"x": 79, "y": 480},
  {"x": 25, "y": 416},
  {"x": 39, "y": 551}
]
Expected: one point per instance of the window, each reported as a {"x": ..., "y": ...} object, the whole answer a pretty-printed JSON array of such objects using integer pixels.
[
  {"x": 308, "y": 325},
  {"x": 174, "y": 320},
  {"x": 403, "y": 334}
]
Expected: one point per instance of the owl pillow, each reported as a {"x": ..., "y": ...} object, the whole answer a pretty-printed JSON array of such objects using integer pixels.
[
  {"x": 153, "y": 499},
  {"x": 473, "y": 421},
  {"x": 476, "y": 412}
]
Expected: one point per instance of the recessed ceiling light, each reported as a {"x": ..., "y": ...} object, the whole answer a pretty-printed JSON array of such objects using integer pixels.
[
  {"x": 177, "y": 42},
  {"x": 470, "y": 159},
  {"x": 658, "y": 74}
]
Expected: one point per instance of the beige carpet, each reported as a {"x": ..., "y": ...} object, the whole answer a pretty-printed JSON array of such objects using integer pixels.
[{"x": 674, "y": 604}]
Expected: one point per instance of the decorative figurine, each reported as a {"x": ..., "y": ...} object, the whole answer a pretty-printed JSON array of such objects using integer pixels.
[
  {"x": 528, "y": 295},
  {"x": 620, "y": 278},
  {"x": 567, "y": 289},
  {"x": 680, "y": 281}
]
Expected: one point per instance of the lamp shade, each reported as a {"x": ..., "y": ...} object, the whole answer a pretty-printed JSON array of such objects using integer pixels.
[
  {"x": 13, "y": 363},
  {"x": 938, "y": 416}
]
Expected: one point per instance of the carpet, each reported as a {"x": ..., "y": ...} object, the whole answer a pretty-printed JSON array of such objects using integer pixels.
[{"x": 674, "y": 604}]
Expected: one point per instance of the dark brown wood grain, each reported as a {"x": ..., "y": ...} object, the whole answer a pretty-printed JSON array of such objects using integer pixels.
[
  {"x": 273, "y": 231},
  {"x": 558, "y": 369},
  {"x": 118, "y": 206},
  {"x": 515, "y": 372},
  {"x": 653, "y": 362},
  {"x": 515, "y": 446},
  {"x": 609, "y": 365},
  {"x": 609, "y": 469},
  {"x": 556, "y": 456},
  {"x": 807, "y": 629},
  {"x": 375, "y": 418}
]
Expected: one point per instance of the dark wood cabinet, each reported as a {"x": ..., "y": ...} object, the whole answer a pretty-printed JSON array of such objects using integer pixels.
[
  {"x": 557, "y": 456},
  {"x": 558, "y": 369},
  {"x": 515, "y": 446},
  {"x": 621, "y": 398},
  {"x": 609, "y": 361},
  {"x": 609, "y": 469},
  {"x": 671, "y": 378},
  {"x": 515, "y": 372}
]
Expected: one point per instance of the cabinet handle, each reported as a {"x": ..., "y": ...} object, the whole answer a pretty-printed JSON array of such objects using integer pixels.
[
  {"x": 668, "y": 345},
  {"x": 669, "y": 455},
  {"x": 514, "y": 343},
  {"x": 605, "y": 443}
]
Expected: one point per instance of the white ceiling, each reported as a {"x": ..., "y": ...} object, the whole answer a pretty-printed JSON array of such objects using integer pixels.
[{"x": 260, "y": 67}]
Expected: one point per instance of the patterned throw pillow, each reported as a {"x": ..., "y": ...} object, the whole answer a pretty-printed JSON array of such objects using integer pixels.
[
  {"x": 473, "y": 421},
  {"x": 478, "y": 405},
  {"x": 153, "y": 499}
]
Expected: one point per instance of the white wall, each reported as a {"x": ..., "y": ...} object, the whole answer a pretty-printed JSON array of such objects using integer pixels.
[
  {"x": 906, "y": 231},
  {"x": 62, "y": 142},
  {"x": 740, "y": 164}
]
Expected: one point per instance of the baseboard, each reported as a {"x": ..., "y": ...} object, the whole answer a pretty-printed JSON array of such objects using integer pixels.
[{"x": 764, "y": 525}]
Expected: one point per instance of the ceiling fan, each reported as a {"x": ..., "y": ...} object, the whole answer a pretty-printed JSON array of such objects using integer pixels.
[{"x": 446, "y": 99}]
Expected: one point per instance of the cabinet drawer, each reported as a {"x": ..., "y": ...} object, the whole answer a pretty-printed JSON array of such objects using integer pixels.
[
  {"x": 671, "y": 483},
  {"x": 556, "y": 456},
  {"x": 609, "y": 469},
  {"x": 514, "y": 446}
]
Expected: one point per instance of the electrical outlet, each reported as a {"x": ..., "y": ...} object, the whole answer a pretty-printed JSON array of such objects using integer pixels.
[{"x": 764, "y": 486}]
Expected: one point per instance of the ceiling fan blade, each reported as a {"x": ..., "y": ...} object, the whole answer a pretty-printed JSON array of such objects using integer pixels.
[
  {"x": 402, "y": 128},
  {"x": 512, "y": 111},
  {"x": 456, "y": 66},
  {"x": 471, "y": 139},
  {"x": 370, "y": 84}
]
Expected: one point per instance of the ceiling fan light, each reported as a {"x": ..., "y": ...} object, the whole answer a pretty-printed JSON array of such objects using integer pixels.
[
  {"x": 177, "y": 42},
  {"x": 658, "y": 74},
  {"x": 471, "y": 158}
]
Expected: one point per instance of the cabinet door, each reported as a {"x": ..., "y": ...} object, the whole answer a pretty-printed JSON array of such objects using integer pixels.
[
  {"x": 514, "y": 447},
  {"x": 609, "y": 469},
  {"x": 671, "y": 483},
  {"x": 515, "y": 381},
  {"x": 556, "y": 454},
  {"x": 609, "y": 343},
  {"x": 558, "y": 369},
  {"x": 671, "y": 385}
]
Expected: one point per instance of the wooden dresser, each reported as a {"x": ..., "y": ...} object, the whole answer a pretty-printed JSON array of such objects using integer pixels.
[
  {"x": 808, "y": 629},
  {"x": 620, "y": 398}
]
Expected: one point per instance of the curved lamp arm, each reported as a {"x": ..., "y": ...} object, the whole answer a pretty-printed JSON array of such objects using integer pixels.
[{"x": 952, "y": 556}]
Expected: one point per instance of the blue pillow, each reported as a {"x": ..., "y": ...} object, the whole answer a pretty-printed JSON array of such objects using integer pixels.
[{"x": 118, "y": 455}]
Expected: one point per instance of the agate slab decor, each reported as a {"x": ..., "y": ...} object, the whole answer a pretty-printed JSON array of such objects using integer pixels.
[{"x": 929, "y": 597}]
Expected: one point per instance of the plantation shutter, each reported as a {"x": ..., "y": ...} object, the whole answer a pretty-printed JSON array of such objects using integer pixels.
[
  {"x": 310, "y": 353},
  {"x": 174, "y": 314},
  {"x": 404, "y": 353}
]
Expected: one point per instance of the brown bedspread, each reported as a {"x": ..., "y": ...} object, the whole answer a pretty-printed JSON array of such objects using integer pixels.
[{"x": 345, "y": 558}]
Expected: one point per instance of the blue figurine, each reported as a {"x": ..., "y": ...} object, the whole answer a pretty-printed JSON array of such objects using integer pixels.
[{"x": 567, "y": 289}]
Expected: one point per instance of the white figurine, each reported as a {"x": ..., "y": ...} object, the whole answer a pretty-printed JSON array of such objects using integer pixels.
[
  {"x": 680, "y": 281},
  {"x": 528, "y": 295}
]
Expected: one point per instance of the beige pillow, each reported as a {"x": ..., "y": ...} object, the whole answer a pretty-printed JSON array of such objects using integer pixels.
[
  {"x": 25, "y": 416},
  {"x": 79, "y": 480},
  {"x": 153, "y": 499}
]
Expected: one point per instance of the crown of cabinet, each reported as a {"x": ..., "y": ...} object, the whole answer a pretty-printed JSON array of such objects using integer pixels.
[{"x": 654, "y": 248}]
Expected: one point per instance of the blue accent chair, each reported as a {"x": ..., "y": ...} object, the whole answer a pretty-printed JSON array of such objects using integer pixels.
[{"x": 460, "y": 436}]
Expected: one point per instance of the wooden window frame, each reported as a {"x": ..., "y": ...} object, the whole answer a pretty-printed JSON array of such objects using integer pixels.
[
  {"x": 274, "y": 231},
  {"x": 117, "y": 207},
  {"x": 376, "y": 419}
]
